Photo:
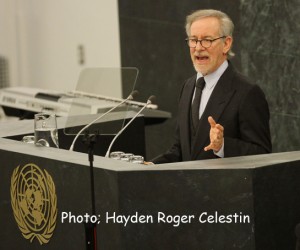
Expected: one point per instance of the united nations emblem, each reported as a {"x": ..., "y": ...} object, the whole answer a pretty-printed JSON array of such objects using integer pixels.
[{"x": 34, "y": 203}]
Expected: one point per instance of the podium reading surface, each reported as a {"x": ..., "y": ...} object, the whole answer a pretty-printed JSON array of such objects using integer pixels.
[{"x": 235, "y": 203}]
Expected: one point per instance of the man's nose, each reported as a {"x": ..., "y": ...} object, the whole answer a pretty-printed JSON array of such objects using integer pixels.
[{"x": 199, "y": 46}]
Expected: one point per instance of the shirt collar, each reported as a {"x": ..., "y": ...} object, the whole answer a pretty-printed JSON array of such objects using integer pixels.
[{"x": 212, "y": 79}]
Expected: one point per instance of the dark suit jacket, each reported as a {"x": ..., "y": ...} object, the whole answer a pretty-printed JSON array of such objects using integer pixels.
[{"x": 239, "y": 106}]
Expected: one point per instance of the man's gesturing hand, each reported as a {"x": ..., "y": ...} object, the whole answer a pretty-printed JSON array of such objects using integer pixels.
[{"x": 216, "y": 135}]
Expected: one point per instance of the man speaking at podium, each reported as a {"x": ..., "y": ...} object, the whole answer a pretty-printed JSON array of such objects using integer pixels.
[{"x": 221, "y": 114}]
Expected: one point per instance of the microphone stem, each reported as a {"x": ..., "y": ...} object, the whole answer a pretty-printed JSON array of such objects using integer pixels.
[
  {"x": 120, "y": 132},
  {"x": 88, "y": 125}
]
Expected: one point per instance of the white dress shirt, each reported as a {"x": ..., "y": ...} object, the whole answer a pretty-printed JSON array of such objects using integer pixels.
[{"x": 210, "y": 83}]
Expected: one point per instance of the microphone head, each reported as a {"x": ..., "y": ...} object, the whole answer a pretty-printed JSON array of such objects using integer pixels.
[
  {"x": 151, "y": 99},
  {"x": 133, "y": 94}
]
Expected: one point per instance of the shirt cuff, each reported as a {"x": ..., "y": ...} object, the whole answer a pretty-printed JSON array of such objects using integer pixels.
[{"x": 220, "y": 153}]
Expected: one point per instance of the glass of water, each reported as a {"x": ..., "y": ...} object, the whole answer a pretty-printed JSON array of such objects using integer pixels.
[
  {"x": 45, "y": 130},
  {"x": 126, "y": 157},
  {"x": 137, "y": 159},
  {"x": 28, "y": 139},
  {"x": 116, "y": 155}
]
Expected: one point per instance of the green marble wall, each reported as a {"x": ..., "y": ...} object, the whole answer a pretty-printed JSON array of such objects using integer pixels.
[
  {"x": 266, "y": 43},
  {"x": 270, "y": 54}
]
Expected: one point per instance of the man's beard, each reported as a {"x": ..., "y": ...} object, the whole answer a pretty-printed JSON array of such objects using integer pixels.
[{"x": 198, "y": 70}]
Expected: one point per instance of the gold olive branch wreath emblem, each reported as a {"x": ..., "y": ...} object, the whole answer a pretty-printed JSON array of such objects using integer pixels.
[{"x": 34, "y": 202}]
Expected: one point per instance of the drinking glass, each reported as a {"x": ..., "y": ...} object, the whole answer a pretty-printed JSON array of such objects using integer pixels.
[
  {"x": 126, "y": 157},
  {"x": 45, "y": 130},
  {"x": 138, "y": 159},
  {"x": 28, "y": 139},
  {"x": 116, "y": 155}
]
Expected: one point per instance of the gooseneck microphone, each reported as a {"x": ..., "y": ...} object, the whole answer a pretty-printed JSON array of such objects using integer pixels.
[
  {"x": 149, "y": 101},
  {"x": 132, "y": 95}
]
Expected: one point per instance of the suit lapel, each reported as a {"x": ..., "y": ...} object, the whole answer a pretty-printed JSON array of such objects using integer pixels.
[
  {"x": 184, "y": 119},
  {"x": 217, "y": 102}
]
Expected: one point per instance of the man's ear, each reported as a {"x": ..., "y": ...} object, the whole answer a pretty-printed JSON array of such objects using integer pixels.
[{"x": 227, "y": 44}]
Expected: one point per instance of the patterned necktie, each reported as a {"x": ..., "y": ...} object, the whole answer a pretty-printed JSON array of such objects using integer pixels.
[{"x": 197, "y": 99}]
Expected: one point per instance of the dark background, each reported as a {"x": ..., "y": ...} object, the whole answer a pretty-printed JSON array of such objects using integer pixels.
[{"x": 266, "y": 44}]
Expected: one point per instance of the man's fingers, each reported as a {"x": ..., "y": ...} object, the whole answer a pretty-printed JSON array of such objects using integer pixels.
[
  {"x": 213, "y": 124},
  {"x": 209, "y": 147},
  {"x": 211, "y": 121},
  {"x": 148, "y": 163},
  {"x": 220, "y": 127},
  {"x": 216, "y": 135}
]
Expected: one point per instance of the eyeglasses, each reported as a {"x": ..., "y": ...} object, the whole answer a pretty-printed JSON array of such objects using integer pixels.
[{"x": 205, "y": 43}]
